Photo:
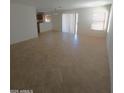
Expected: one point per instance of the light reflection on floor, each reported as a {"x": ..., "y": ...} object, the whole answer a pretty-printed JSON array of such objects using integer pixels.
[{"x": 75, "y": 40}]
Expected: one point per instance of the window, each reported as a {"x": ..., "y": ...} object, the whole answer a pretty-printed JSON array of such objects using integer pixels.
[
  {"x": 47, "y": 18},
  {"x": 99, "y": 20}
]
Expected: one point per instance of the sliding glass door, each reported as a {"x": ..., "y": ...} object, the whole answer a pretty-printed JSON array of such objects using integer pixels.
[{"x": 69, "y": 22}]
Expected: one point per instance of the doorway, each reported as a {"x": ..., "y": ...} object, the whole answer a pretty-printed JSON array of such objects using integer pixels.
[{"x": 70, "y": 22}]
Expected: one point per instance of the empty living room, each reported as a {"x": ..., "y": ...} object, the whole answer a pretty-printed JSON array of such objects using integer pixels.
[{"x": 61, "y": 46}]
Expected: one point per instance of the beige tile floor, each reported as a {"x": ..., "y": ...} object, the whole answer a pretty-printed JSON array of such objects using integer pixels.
[{"x": 59, "y": 62}]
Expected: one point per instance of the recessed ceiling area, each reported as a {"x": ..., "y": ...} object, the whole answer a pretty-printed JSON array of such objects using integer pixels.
[{"x": 50, "y": 5}]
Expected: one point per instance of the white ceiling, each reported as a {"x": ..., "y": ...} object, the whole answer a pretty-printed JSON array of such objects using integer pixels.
[{"x": 50, "y": 5}]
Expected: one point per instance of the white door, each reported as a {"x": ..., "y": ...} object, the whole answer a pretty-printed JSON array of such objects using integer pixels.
[{"x": 69, "y": 22}]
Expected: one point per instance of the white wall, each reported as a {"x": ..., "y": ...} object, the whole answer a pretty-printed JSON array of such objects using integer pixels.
[
  {"x": 23, "y": 23},
  {"x": 84, "y": 23},
  {"x": 45, "y": 27},
  {"x": 110, "y": 47},
  {"x": 57, "y": 22}
]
